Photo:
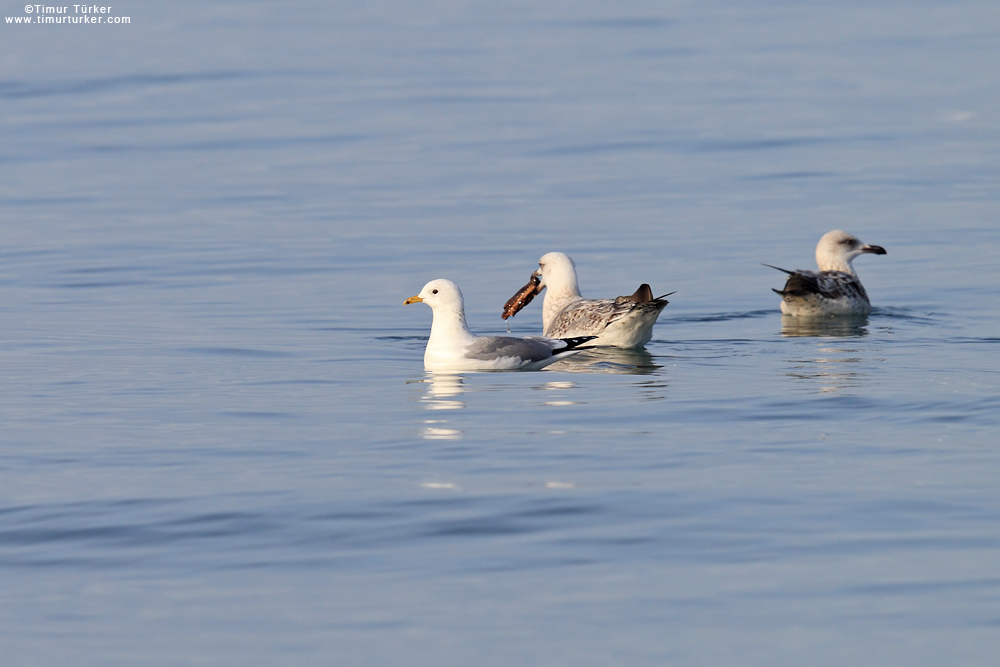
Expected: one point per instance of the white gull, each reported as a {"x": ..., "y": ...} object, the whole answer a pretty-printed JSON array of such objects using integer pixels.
[
  {"x": 835, "y": 289},
  {"x": 452, "y": 347},
  {"x": 626, "y": 321}
]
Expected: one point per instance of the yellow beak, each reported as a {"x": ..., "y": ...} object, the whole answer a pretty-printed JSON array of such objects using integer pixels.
[{"x": 412, "y": 299}]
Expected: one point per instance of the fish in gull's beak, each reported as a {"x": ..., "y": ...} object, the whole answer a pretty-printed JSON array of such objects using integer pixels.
[{"x": 522, "y": 297}]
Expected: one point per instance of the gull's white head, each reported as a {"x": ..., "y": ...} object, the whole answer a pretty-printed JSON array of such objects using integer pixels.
[
  {"x": 557, "y": 272},
  {"x": 448, "y": 322},
  {"x": 440, "y": 294},
  {"x": 837, "y": 249}
]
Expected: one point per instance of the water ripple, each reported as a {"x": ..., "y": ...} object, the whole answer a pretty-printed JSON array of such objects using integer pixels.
[{"x": 23, "y": 89}]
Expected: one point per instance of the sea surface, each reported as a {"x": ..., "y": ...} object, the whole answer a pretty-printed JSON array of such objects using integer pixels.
[{"x": 218, "y": 445}]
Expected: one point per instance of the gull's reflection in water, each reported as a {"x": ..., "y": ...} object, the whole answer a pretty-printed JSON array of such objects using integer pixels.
[
  {"x": 559, "y": 398},
  {"x": 823, "y": 327},
  {"x": 608, "y": 360},
  {"x": 441, "y": 392},
  {"x": 839, "y": 365}
]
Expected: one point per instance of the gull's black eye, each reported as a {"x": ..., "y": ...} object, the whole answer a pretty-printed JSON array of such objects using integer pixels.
[{"x": 434, "y": 291}]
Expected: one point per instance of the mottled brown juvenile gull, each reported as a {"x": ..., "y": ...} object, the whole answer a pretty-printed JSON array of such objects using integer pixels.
[
  {"x": 452, "y": 347},
  {"x": 833, "y": 290},
  {"x": 626, "y": 321}
]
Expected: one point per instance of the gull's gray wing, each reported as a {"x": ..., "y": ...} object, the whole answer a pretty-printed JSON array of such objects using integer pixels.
[
  {"x": 533, "y": 348},
  {"x": 489, "y": 348}
]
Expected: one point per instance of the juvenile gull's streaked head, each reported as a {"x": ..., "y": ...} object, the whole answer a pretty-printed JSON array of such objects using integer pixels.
[
  {"x": 837, "y": 249},
  {"x": 557, "y": 271}
]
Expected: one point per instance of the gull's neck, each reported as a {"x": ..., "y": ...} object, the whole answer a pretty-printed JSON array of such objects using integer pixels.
[
  {"x": 557, "y": 298},
  {"x": 827, "y": 262},
  {"x": 448, "y": 327}
]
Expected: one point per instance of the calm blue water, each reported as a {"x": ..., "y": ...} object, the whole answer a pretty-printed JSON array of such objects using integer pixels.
[{"x": 217, "y": 441}]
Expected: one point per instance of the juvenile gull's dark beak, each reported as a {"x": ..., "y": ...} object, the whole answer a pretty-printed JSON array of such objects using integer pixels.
[{"x": 874, "y": 249}]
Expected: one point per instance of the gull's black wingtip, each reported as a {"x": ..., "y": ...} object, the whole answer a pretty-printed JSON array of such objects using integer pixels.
[{"x": 575, "y": 343}]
